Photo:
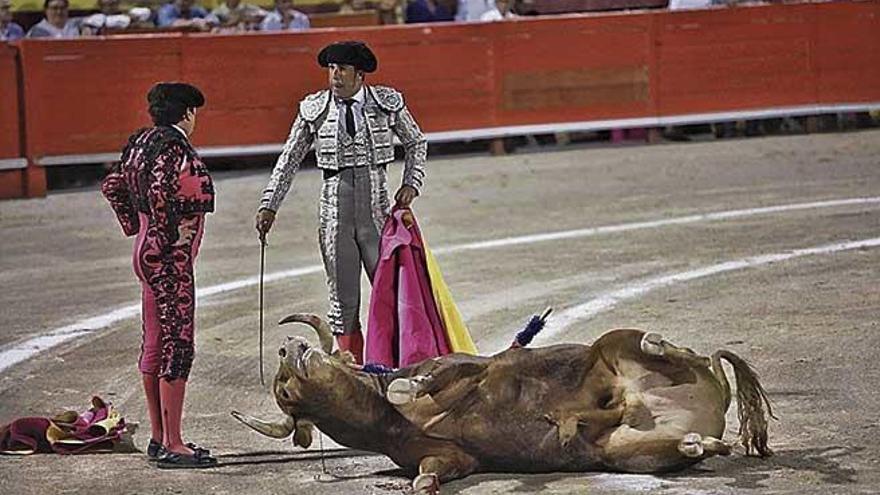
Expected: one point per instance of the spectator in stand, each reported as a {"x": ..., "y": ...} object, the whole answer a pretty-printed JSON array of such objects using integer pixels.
[
  {"x": 696, "y": 4},
  {"x": 185, "y": 14},
  {"x": 350, "y": 6},
  {"x": 473, "y": 10},
  {"x": 285, "y": 18},
  {"x": 57, "y": 22},
  {"x": 500, "y": 11},
  {"x": 9, "y": 31},
  {"x": 238, "y": 15},
  {"x": 390, "y": 11},
  {"x": 427, "y": 11},
  {"x": 110, "y": 17}
]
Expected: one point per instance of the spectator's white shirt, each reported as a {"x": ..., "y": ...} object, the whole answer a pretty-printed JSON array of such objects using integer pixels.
[
  {"x": 223, "y": 12},
  {"x": 356, "y": 110},
  {"x": 689, "y": 4},
  {"x": 274, "y": 22},
  {"x": 495, "y": 15},
  {"x": 100, "y": 21},
  {"x": 45, "y": 30},
  {"x": 473, "y": 10}
]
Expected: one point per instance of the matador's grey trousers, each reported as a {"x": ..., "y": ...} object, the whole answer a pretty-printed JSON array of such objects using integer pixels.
[{"x": 349, "y": 239}]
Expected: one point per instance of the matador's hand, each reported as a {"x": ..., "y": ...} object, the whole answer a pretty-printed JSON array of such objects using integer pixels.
[
  {"x": 264, "y": 220},
  {"x": 405, "y": 196}
]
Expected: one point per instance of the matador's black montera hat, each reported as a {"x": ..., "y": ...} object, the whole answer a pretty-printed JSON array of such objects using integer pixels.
[{"x": 355, "y": 53}]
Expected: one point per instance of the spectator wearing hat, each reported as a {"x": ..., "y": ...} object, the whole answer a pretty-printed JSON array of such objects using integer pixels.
[
  {"x": 284, "y": 18},
  {"x": 352, "y": 126},
  {"x": 9, "y": 30},
  {"x": 57, "y": 22},
  {"x": 161, "y": 192},
  {"x": 185, "y": 14}
]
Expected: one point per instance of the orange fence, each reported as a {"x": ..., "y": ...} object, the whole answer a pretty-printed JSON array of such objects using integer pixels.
[{"x": 465, "y": 81}]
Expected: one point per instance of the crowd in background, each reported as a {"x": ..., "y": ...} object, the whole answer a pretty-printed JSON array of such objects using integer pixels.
[
  {"x": 234, "y": 15},
  {"x": 110, "y": 16}
]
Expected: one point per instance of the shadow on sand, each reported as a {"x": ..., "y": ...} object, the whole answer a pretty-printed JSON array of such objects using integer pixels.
[{"x": 738, "y": 471}]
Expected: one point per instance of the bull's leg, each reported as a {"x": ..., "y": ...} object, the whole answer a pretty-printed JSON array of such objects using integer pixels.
[
  {"x": 403, "y": 390},
  {"x": 658, "y": 450},
  {"x": 695, "y": 445},
  {"x": 653, "y": 344},
  {"x": 435, "y": 469}
]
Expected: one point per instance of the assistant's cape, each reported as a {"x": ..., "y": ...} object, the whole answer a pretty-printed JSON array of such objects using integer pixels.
[
  {"x": 100, "y": 428},
  {"x": 412, "y": 314}
]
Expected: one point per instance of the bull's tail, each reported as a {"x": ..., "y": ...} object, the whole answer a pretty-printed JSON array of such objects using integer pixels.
[{"x": 753, "y": 406}]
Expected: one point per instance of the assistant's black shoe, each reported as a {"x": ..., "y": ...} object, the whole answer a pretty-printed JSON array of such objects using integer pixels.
[
  {"x": 199, "y": 460},
  {"x": 155, "y": 450},
  {"x": 196, "y": 448}
]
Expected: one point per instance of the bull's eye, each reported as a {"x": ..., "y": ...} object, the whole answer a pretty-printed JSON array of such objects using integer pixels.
[
  {"x": 284, "y": 394},
  {"x": 282, "y": 352}
]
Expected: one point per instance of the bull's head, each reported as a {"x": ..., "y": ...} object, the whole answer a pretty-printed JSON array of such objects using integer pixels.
[{"x": 313, "y": 384}]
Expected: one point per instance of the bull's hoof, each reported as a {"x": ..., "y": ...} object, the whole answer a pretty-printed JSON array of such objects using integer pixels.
[
  {"x": 426, "y": 484},
  {"x": 403, "y": 390},
  {"x": 652, "y": 344},
  {"x": 691, "y": 445}
]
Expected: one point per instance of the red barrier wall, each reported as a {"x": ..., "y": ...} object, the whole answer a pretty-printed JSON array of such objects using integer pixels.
[
  {"x": 741, "y": 59},
  {"x": 847, "y": 51},
  {"x": 573, "y": 69},
  {"x": 16, "y": 178},
  {"x": 85, "y": 96},
  {"x": 9, "y": 129}
]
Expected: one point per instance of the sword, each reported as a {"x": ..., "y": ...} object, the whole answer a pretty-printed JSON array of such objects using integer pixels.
[{"x": 262, "y": 273}]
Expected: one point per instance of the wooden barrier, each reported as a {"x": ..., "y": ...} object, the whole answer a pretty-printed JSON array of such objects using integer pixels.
[
  {"x": 17, "y": 177},
  {"x": 846, "y": 52},
  {"x": 465, "y": 81},
  {"x": 85, "y": 96}
]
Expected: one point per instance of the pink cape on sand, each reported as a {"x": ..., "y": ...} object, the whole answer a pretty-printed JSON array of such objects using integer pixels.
[
  {"x": 404, "y": 326},
  {"x": 100, "y": 428}
]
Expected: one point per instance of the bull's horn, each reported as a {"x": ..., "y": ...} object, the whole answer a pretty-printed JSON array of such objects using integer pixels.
[
  {"x": 325, "y": 336},
  {"x": 281, "y": 429}
]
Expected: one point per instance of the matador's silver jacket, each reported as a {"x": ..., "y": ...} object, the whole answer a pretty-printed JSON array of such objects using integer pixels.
[{"x": 385, "y": 115}]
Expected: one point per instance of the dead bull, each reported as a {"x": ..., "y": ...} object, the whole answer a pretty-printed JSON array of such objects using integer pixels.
[{"x": 631, "y": 402}]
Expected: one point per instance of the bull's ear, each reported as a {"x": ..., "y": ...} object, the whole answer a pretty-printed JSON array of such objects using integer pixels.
[{"x": 302, "y": 436}]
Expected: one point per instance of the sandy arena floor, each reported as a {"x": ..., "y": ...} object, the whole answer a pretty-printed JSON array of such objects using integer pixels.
[{"x": 795, "y": 290}]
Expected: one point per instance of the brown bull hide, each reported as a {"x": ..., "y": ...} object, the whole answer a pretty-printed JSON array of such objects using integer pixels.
[{"x": 630, "y": 402}]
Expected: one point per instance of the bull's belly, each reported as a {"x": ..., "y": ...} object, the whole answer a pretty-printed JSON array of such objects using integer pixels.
[{"x": 510, "y": 444}]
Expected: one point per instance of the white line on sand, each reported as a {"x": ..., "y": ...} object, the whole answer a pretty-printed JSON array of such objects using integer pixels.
[
  {"x": 21, "y": 351},
  {"x": 608, "y": 300}
]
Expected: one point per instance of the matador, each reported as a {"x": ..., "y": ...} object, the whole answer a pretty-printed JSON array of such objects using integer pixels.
[{"x": 352, "y": 127}]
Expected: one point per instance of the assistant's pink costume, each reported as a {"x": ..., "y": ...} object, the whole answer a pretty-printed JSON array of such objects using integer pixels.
[{"x": 160, "y": 186}]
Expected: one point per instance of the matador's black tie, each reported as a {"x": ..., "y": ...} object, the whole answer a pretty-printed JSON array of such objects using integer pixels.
[{"x": 349, "y": 118}]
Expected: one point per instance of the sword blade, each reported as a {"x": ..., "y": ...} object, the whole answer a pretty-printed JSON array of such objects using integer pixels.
[{"x": 262, "y": 273}]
